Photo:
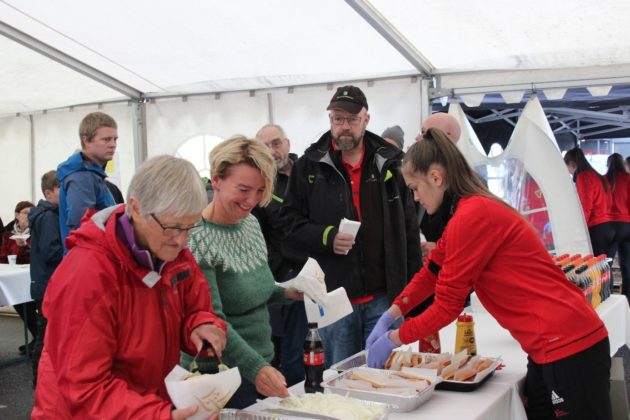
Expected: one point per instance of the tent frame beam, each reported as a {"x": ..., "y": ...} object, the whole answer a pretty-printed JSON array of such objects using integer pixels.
[
  {"x": 377, "y": 21},
  {"x": 68, "y": 61}
]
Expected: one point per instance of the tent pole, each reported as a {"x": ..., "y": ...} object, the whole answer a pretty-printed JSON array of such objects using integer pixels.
[
  {"x": 68, "y": 61},
  {"x": 139, "y": 115},
  {"x": 391, "y": 35},
  {"x": 425, "y": 103},
  {"x": 33, "y": 149}
]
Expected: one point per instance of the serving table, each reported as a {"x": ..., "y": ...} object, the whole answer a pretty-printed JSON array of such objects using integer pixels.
[
  {"x": 499, "y": 397},
  {"x": 15, "y": 288}
]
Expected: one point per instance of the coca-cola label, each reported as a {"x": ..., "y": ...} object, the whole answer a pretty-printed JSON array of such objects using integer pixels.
[{"x": 313, "y": 358}]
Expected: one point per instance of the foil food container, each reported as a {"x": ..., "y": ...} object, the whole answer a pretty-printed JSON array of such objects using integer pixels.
[{"x": 399, "y": 403}]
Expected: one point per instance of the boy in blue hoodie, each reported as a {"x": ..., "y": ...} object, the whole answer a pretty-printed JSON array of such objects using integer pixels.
[{"x": 82, "y": 175}]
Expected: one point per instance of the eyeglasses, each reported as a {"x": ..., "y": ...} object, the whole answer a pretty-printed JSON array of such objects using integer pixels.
[
  {"x": 339, "y": 120},
  {"x": 172, "y": 230},
  {"x": 276, "y": 143}
]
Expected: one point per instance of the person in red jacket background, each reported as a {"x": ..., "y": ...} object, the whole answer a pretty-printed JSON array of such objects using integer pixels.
[
  {"x": 16, "y": 236},
  {"x": 16, "y": 241},
  {"x": 596, "y": 199},
  {"x": 487, "y": 245},
  {"x": 125, "y": 300},
  {"x": 619, "y": 181}
]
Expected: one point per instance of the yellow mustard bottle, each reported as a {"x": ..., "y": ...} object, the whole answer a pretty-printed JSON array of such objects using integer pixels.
[{"x": 465, "y": 338}]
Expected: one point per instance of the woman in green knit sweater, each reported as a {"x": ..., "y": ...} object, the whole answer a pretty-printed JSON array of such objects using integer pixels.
[{"x": 232, "y": 253}]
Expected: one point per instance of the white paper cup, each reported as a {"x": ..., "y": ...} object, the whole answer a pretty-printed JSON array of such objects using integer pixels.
[{"x": 12, "y": 259}]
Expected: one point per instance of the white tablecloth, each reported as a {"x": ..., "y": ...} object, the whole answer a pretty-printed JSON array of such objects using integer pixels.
[
  {"x": 499, "y": 398},
  {"x": 15, "y": 284}
]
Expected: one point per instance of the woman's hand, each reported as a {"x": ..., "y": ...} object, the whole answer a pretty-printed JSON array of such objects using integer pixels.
[
  {"x": 211, "y": 333},
  {"x": 293, "y": 294},
  {"x": 271, "y": 383}
]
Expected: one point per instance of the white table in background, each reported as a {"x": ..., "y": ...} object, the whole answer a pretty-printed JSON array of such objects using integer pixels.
[
  {"x": 15, "y": 288},
  {"x": 15, "y": 284},
  {"x": 498, "y": 398}
]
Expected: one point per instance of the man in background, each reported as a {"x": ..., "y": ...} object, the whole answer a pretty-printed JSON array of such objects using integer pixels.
[
  {"x": 82, "y": 175},
  {"x": 46, "y": 253},
  {"x": 444, "y": 122},
  {"x": 288, "y": 322},
  {"x": 394, "y": 135},
  {"x": 353, "y": 173}
]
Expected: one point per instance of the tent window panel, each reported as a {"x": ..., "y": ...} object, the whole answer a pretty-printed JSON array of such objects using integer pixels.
[
  {"x": 196, "y": 150},
  {"x": 513, "y": 184}
]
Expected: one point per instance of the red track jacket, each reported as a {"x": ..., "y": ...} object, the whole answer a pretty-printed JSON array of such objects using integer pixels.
[
  {"x": 596, "y": 202},
  {"x": 488, "y": 246},
  {"x": 620, "y": 211}
]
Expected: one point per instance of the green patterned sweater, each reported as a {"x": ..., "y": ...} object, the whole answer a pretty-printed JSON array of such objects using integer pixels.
[{"x": 234, "y": 260}]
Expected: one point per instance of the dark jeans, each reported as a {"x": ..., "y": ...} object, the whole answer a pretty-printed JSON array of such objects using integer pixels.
[
  {"x": 347, "y": 336},
  {"x": 289, "y": 347},
  {"x": 574, "y": 388}
]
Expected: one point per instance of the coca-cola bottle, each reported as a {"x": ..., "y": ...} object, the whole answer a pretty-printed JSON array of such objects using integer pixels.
[{"x": 313, "y": 360}]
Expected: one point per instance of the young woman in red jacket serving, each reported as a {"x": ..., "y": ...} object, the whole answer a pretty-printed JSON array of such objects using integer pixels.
[{"x": 488, "y": 246}]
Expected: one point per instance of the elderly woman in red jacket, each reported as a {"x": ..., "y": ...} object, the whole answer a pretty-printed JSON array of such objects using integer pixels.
[
  {"x": 125, "y": 300},
  {"x": 489, "y": 246}
]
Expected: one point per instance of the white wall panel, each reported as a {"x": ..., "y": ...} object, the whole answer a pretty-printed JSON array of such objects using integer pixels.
[{"x": 15, "y": 161}]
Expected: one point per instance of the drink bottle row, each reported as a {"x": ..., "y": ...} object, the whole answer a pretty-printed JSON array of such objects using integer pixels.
[{"x": 591, "y": 274}]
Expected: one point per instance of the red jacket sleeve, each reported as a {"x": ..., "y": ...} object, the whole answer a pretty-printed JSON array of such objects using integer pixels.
[
  {"x": 197, "y": 307},
  {"x": 460, "y": 256}
]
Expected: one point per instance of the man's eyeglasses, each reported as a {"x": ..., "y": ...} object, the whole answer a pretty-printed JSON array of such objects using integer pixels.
[
  {"x": 172, "y": 230},
  {"x": 338, "y": 120},
  {"x": 276, "y": 143}
]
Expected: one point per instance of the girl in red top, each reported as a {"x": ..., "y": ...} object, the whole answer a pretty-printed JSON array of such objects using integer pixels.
[
  {"x": 619, "y": 181},
  {"x": 489, "y": 246},
  {"x": 596, "y": 200}
]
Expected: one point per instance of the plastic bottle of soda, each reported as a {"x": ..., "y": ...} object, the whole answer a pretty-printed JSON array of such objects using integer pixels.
[{"x": 313, "y": 360}]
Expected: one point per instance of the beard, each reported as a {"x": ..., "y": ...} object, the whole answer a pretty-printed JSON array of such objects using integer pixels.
[
  {"x": 280, "y": 164},
  {"x": 345, "y": 141}
]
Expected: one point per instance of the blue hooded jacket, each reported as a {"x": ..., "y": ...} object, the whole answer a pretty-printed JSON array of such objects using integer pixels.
[{"x": 82, "y": 187}]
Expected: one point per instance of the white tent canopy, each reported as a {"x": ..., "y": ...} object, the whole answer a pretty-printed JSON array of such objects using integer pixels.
[
  {"x": 154, "y": 48},
  {"x": 169, "y": 71}
]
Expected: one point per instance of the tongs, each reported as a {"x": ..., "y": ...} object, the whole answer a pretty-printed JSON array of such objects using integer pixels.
[{"x": 194, "y": 367}]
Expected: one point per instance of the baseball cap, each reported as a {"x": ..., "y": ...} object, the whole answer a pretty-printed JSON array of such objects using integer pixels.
[{"x": 348, "y": 98}]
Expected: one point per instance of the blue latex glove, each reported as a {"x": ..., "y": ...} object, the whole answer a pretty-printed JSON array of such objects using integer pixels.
[
  {"x": 379, "y": 351},
  {"x": 381, "y": 327}
]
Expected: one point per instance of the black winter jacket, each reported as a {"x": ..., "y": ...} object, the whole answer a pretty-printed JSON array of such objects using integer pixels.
[
  {"x": 386, "y": 253},
  {"x": 46, "y": 248}
]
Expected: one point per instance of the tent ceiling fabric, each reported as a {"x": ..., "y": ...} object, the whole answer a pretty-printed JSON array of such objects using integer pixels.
[{"x": 164, "y": 48}]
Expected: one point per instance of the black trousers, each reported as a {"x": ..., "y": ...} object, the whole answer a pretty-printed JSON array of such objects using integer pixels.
[
  {"x": 602, "y": 238},
  {"x": 39, "y": 340},
  {"x": 31, "y": 319},
  {"x": 622, "y": 245},
  {"x": 573, "y": 388}
]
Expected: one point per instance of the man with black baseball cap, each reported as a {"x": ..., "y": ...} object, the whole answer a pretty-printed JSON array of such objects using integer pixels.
[{"x": 353, "y": 173}]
